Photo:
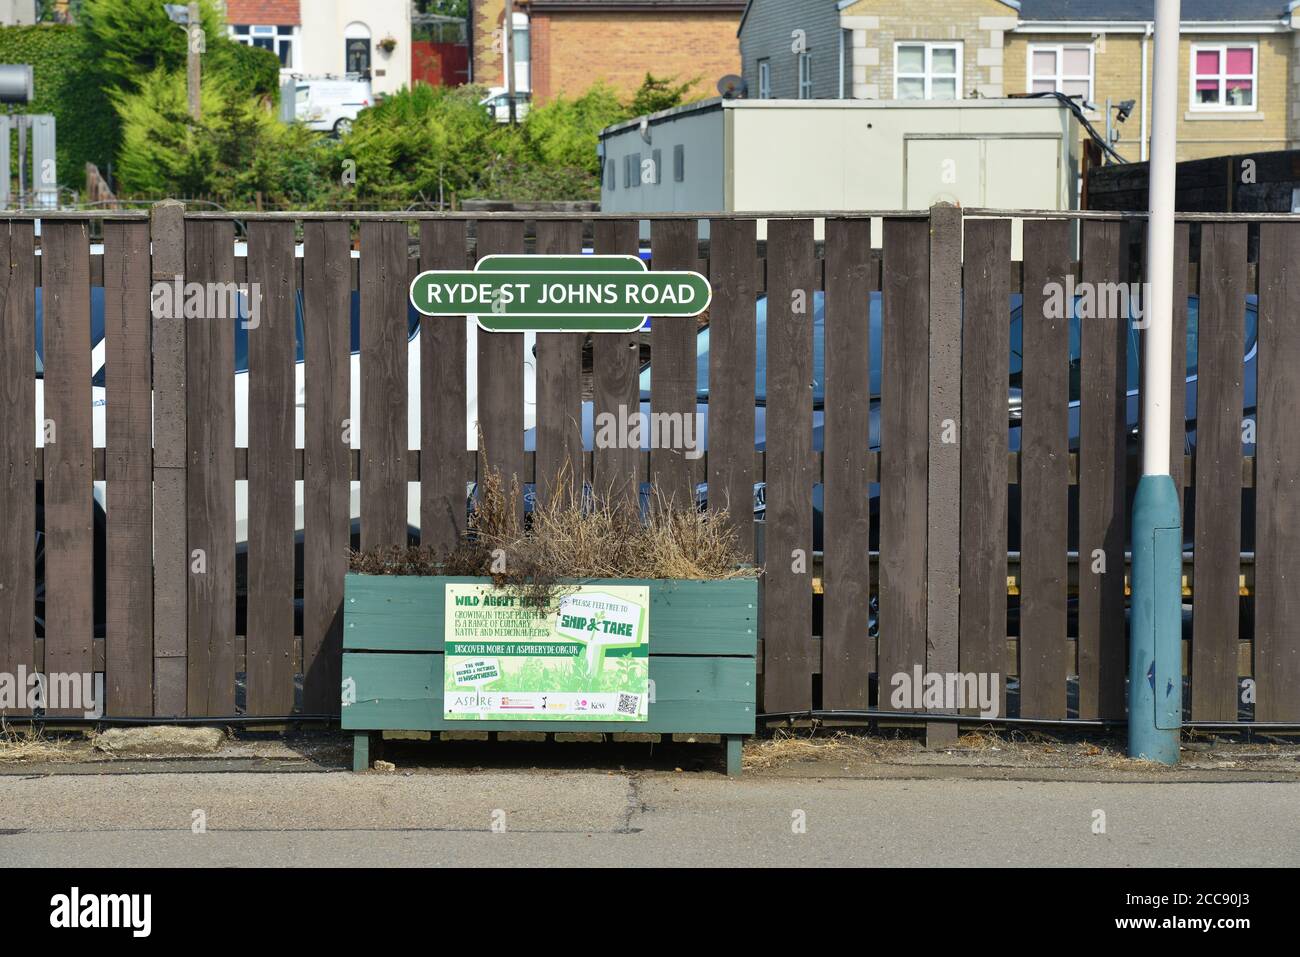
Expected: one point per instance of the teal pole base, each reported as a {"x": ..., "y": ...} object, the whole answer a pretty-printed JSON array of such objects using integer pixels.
[{"x": 1155, "y": 665}]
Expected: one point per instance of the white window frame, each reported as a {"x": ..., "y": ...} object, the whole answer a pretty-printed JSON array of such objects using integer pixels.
[
  {"x": 765, "y": 79},
  {"x": 272, "y": 32},
  {"x": 928, "y": 76},
  {"x": 805, "y": 82},
  {"x": 1223, "y": 106},
  {"x": 1059, "y": 49}
]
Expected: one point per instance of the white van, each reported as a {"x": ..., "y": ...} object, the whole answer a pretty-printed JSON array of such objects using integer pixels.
[
  {"x": 331, "y": 105},
  {"x": 497, "y": 104}
]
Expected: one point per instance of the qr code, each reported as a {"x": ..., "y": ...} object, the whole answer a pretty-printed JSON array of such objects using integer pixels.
[{"x": 629, "y": 703}]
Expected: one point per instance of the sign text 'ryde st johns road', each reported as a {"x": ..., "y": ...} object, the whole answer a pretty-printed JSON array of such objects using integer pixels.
[{"x": 560, "y": 293}]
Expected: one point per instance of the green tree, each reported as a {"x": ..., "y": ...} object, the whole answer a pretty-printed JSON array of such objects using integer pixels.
[
  {"x": 419, "y": 141},
  {"x": 161, "y": 149},
  {"x": 526, "y": 180},
  {"x": 130, "y": 39},
  {"x": 235, "y": 152},
  {"x": 659, "y": 93},
  {"x": 564, "y": 132}
]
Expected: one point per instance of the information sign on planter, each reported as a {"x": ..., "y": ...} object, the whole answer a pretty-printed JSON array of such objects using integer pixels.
[
  {"x": 585, "y": 658},
  {"x": 505, "y": 293}
]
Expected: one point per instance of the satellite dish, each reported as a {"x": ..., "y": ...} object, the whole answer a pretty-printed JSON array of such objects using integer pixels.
[{"x": 732, "y": 86}]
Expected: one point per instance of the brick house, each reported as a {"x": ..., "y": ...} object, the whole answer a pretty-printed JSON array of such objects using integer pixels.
[
  {"x": 1240, "y": 61},
  {"x": 562, "y": 47},
  {"x": 1238, "y": 90}
]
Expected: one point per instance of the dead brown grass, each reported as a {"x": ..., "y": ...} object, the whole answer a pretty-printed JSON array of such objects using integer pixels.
[
  {"x": 29, "y": 744},
  {"x": 1034, "y": 747},
  {"x": 791, "y": 747},
  {"x": 981, "y": 741}
]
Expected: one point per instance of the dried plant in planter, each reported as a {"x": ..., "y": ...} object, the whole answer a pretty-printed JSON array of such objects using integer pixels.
[
  {"x": 396, "y": 560},
  {"x": 576, "y": 534},
  {"x": 497, "y": 531},
  {"x": 572, "y": 533}
]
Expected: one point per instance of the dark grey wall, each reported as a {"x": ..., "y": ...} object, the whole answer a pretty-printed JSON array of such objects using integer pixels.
[{"x": 767, "y": 31}]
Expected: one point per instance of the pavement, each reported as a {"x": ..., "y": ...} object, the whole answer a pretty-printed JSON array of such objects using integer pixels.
[{"x": 855, "y": 804}]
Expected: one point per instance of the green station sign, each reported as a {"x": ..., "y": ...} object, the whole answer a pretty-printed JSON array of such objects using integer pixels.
[{"x": 508, "y": 293}]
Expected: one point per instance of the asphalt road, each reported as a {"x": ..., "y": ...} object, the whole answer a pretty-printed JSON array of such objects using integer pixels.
[{"x": 659, "y": 818}]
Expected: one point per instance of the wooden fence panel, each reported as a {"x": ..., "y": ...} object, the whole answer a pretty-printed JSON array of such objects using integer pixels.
[
  {"x": 674, "y": 244},
  {"x": 1277, "y": 485},
  {"x": 943, "y": 496},
  {"x": 384, "y": 331},
  {"x": 986, "y": 350},
  {"x": 617, "y": 472},
  {"x": 846, "y": 514},
  {"x": 559, "y": 385},
  {"x": 175, "y": 379},
  {"x": 269, "y": 644},
  {"x": 442, "y": 398},
  {"x": 128, "y": 649},
  {"x": 17, "y": 450},
  {"x": 171, "y": 561},
  {"x": 732, "y": 350},
  {"x": 326, "y": 298},
  {"x": 904, "y": 445},
  {"x": 789, "y": 655},
  {"x": 210, "y": 494},
  {"x": 1044, "y": 472},
  {"x": 1220, "y": 346},
  {"x": 501, "y": 373},
  {"x": 69, "y": 503},
  {"x": 1103, "y": 659}
]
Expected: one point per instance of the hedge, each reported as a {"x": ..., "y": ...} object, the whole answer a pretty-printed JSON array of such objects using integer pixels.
[
  {"x": 253, "y": 70},
  {"x": 68, "y": 85},
  {"x": 65, "y": 84}
]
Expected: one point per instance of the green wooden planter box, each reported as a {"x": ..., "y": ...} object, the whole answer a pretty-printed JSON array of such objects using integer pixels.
[{"x": 703, "y": 646}]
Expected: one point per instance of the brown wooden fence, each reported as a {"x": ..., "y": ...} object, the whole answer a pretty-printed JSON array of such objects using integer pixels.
[{"x": 943, "y": 575}]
